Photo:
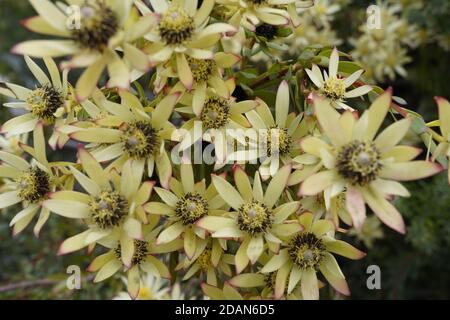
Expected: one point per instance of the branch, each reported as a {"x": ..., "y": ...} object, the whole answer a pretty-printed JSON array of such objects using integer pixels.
[{"x": 27, "y": 284}]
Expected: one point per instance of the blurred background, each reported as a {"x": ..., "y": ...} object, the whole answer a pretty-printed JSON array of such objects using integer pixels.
[{"x": 411, "y": 53}]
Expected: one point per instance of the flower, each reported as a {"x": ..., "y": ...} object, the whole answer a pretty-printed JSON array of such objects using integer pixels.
[
  {"x": 182, "y": 31},
  {"x": 217, "y": 115},
  {"x": 251, "y": 13},
  {"x": 307, "y": 252},
  {"x": 151, "y": 288},
  {"x": 154, "y": 288},
  {"x": 209, "y": 259},
  {"x": 280, "y": 135},
  {"x": 444, "y": 121},
  {"x": 334, "y": 210},
  {"x": 333, "y": 87},
  {"x": 207, "y": 74},
  {"x": 184, "y": 205},
  {"x": 256, "y": 218},
  {"x": 364, "y": 167},
  {"x": 369, "y": 233},
  {"x": 316, "y": 27},
  {"x": 92, "y": 32},
  {"x": 142, "y": 261},
  {"x": 383, "y": 51},
  {"x": 112, "y": 207},
  {"x": 29, "y": 184},
  {"x": 45, "y": 103},
  {"x": 131, "y": 132}
]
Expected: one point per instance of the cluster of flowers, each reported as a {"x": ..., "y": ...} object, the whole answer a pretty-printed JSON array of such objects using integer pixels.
[
  {"x": 246, "y": 232},
  {"x": 316, "y": 27},
  {"x": 383, "y": 52}
]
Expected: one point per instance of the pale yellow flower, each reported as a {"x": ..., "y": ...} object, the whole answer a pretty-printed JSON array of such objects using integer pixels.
[
  {"x": 182, "y": 31},
  {"x": 219, "y": 117},
  {"x": 281, "y": 134},
  {"x": 257, "y": 218},
  {"x": 251, "y": 13},
  {"x": 211, "y": 260},
  {"x": 28, "y": 183},
  {"x": 307, "y": 252},
  {"x": 93, "y": 31},
  {"x": 184, "y": 204},
  {"x": 335, "y": 88},
  {"x": 364, "y": 165},
  {"x": 130, "y": 131},
  {"x": 142, "y": 261},
  {"x": 45, "y": 103},
  {"x": 112, "y": 207}
]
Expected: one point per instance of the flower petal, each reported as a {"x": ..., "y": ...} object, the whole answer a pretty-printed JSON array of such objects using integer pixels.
[
  {"x": 184, "y": 71},
  {"x": 277, "y": 186},
  {"x": 171, "y": 233},
  {"x": 276, "y": 262},
  {"x": 344, "y": 249},
  {"x": 377, "y": 113},
  {"x": 46, "y": 48},
  {"x": 385, "y": 211},
  {"x": 67, "y": 208},
  {"x": 356, "y": 207},
  {"x": 444, "y": 116},
  {"x": 318, "y": 182},
  {"x": 331, "y": 271},
  {"x": 248, "y": 280},
  {"x": 227, "y": 192},
  {"x": 108, "y": 270},
  {"x": 358, "y": 92},
  {"x": 255, "y": 248},
  {"x": 392, "y": 135},
  {"x": 74, "y": 243},
  {"x": 241, "y": 258},
  {"x": 408, "y": 171},
  {"x": 282, "y": 104},
  {"x": 13, "y": 160},
  {"x": 212, "y": 223},
  {"x": 328, "y": 119},
  {"x": 8, "y": 199},
  {"x": 309, "y": 285},
  {"x": 87, "y": 83},
  {"x": 134, "y": 282}
]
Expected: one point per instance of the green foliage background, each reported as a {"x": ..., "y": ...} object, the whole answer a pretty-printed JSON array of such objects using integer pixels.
[{"x": 415, "y": 266}]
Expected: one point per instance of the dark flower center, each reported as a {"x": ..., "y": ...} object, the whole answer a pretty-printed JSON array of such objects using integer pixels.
[
  {"x": 334, "y": 88},
  {"x": 266, "y": 30},
  {"x": 306, "y": 250},
  {"x": 98, "y": 25},
  {"x": 191, "y": 207},
  {"x": 359, "y": 162},
  {"x": 108, "y": 209},
  {"x": 44, "y": 102},
  {"x": 254, "y": 217},
  {"x": 204, "y": 259},
  {"x": 141, "y": 140},
  {"x": 215, "y": 113},
  {"x": 201, "y": 69},
  {"x": 33, "y": 185},
  {"x": 176, "y": 26}
]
